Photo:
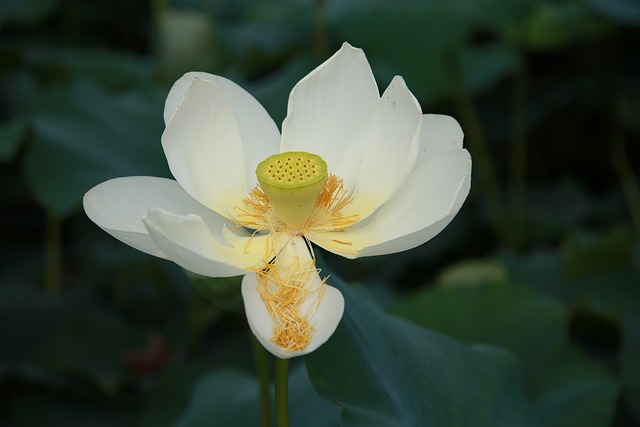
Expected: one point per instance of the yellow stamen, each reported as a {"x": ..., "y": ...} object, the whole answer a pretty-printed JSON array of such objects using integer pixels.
[
  {"x": 327, "y": 214},
  {"x": 257, "y": 213},
  {"x": 284, "y": 289}
]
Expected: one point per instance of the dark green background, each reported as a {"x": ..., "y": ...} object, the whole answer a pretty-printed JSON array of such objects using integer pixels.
[{"x": 524, "y": 311}]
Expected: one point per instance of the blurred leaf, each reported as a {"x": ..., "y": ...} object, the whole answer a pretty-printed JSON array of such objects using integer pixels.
[
  {"x": 607, "y": 292},
  {"x": 583, "y": 255},
  {"x": 221, "y": 292},
  {"x": 407, "y": 38},
  {"x": 231, "y": 398},
  {"x": 111, "y": 69},
  {"x": 575, "y": 391},
  {"x": 385, "y": 371},
  {"x": 617, "y": 294},
  {"x": 505, "y": 17},
  {"x": 217, "y": 295},
  {"x": 622, "y": 11},
  {"x": 552, "y": 211},
  {"x": 273, "y": 90},
  {"x": 12, "y": 135},
  {"x": 305, "y": 406},
  {"x": 542, "y": 271},
  {"x": 169, "y": 394},
  {"x": 485, "y": 65},
  {"x": 506, "y": 315},
  {"x": 84, "y": 136},
  {"x": 396, "y": 28},
  {"x": 547, "y": 28},
  {"x": 472, "y": 273},
  {"x": 42, "y": 408},
  {"x": 627, "y": 105},
  {"x": 26, "y": 12},
  {"x": 38, "y": 317},
  {"x": 95, "y": 345},
  {"x": 567, "y": 388},
  {"x": 268, "y": 32},
  {"x": 554, "y": 25},
  {"x": 228, "y": 397},
  {"x": 188, "y": 42},
  {"x": 19, "y": 92},
  {"x": 629, "y": 366}
]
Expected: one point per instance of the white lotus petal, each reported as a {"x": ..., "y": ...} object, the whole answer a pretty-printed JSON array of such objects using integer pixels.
[
  {"x": 118, "y": 205},
  {"x": 190, "y": 243},
  {"x": 325, "y": 319},
  {"x": 179, "y": 90},
  {"x": 330, "y": 112},
  {"x": 214, "y": 140},
  {"x": 390, "y": 150},
  {"x": 426, "y": 203},
  {"x": 438, "y": 133}
]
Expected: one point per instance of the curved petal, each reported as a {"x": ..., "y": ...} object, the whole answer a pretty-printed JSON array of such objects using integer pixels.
[
  {"x": 325, "y": 319},
  {"x": 390, "y": 151},
  {"x": 426, "y": 203},
  {"x": 438, "y": 133},
  {"x": 178, "y": 91},
  {"x": 189, "y": 242},
  {"x": 330, "y": 112},
  {"x": 215, "y": 138},
  {"x": 118, "y": 205}
]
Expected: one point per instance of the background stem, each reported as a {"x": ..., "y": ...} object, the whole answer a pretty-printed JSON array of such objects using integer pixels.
[
  {"x": 53, "y": 254},
  {"x": 319, "y": 29},
  {"x": 518, "y": 151},
  {"x": 628, "y": 180},
  {"x": 477, "y": 144}
]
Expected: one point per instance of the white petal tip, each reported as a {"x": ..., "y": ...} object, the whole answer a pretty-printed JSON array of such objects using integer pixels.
[{"x": 347, "y": 48}]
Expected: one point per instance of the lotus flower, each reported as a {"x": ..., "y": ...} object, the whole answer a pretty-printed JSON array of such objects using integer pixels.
[{"x": 353, "y": 172}]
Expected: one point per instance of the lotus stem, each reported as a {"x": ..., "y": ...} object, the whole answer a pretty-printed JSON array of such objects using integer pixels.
[{"x": 282, "y": 392}]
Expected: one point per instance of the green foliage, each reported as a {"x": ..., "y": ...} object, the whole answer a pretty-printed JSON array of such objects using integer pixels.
[
  {"x": 565, "y": 387},
  {"x": 384, "y": 371},
  {"x": 626, "y": 12},
  {"x": 583, "y": 256},
  {"x": 27, "y": 12},
  {"x": 83, "y": 136},
  {"x": 12, "y": 134}
]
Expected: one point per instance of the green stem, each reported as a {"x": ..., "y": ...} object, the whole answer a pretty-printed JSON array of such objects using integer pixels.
[
  {"x": 628, "y": 180},
  {"x": 478, "y": 146},
  {"x": 319, "y": 29},
  {"x": 158, "y": 8},
  {"x": 518, "y": 151},
  {"x": 282, "y": 392},
  {"x": 261, "y": 360},
  {"x": 53, "y": 254}
]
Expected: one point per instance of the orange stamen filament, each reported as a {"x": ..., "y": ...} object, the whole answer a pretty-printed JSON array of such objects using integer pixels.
[
  {"x": 326, "y": 216},
  {"x": 284, "y": 296}
]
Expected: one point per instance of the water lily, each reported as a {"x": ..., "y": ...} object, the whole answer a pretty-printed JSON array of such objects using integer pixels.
[{"x": 353, "y": 172}]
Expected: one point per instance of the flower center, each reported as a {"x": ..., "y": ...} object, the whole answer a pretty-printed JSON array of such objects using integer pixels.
[
  {"x": 292, "y": 182},
  {"x": 295, "y": 196}
]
